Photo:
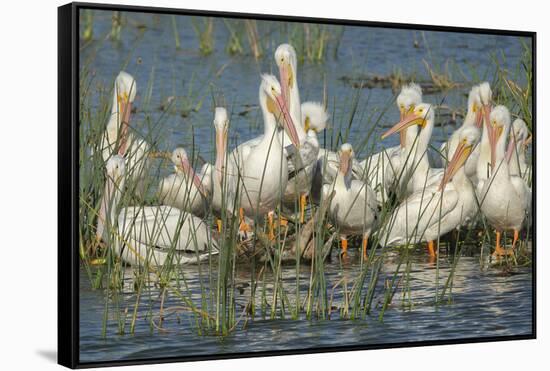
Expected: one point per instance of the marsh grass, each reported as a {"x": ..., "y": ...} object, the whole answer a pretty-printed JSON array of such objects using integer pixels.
[
  {"x": 204, "y": 29},
  {"x": 177, "y": 41},
  {"x": 88, "y": 25},
  {"x": 259, "y": 277},
  {"x": 116, "y": 26}
]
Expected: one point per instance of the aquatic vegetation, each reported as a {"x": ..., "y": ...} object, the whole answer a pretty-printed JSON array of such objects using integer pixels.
[
  {"x": 88, "y": 25},
  {"x": 253, "y": 38},
  {"x": 176, "y": 33},
  {"x": 204, "y": 29},
  {"x": 116, "y": 26}
]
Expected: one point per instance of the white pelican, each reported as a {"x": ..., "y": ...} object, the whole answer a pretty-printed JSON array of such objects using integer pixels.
[
  {"x": 301, "y": 164},
  {"x": 354, "y": 207},
  {"x": 505, "y": 199},
  {"x": 382, "y": 169},
  {"x": 213, "y": 176},
  {"x": 118, "y": 140},
  {"x": 149, "y": 235},
  {"x": 417, "y": 173},
  {"x": 183, "y": 189},
  {"x": 433, "y": 212},
  {"x": 314, "y": 117},
  {"x": 258, "y": 175},
  {"x": 517, "y": 145},
  {"x": 474, "y": 117}
]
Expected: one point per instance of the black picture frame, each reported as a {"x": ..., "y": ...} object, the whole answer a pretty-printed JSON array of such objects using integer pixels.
[{"x": 68, "y": 181}]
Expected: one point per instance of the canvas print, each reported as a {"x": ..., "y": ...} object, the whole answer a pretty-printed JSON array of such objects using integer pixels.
[{"x": 252, "y": 185}]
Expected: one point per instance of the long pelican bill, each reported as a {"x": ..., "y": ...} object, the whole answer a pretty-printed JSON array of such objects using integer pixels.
[
  {"x": 479, "y": 118},
  {"x": 511, "y": 146},
  {"x": 286, "y": 76},
  {"x": 403, "y": 133},
  {"x": 487, "y": 113},
  {"x": 409, "y": 119},
  {"x": 221, "y": 148},
  {"x": 495, "y": 131},
  {"x": 190, "y": 172},
  {"x": 288, "y": 123},
  {"x": 124, "y": 111},
  {"x": 460, "y": 156},
  {"x": 345, "y": 161}
]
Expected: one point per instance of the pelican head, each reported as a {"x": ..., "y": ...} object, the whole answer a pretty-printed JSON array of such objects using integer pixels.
[
  {"x": 346, "y": 155},
  {"x": 183, "y": 166},
  {"x": 272, "y": 101},
  {"x": 467, "y": 140},
  {"x": 285, "y": 58},
  {"x": 499, "y": 124},
  {"x": 486, "y": 97},
  {"x": 475, "y": 106},
  {"x": 125, "y": 92},
  {"x": 124, "y": 95},
  {"x": 420, "y": 115},
  {"x": 115, "y": 169},
  {"x": 314, "y": 116},
  {"x": 125, "y": 86},
  {"x": 221, "y": 123},
  {"x": 409, "y": 97},
  {"x": 518, "y": 134}
]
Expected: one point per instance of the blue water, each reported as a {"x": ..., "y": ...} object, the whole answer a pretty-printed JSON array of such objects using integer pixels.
[{"x": 484, "y": 302}]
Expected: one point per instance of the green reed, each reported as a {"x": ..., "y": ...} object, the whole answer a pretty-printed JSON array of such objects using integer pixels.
[{"x": 204, "y": 29}]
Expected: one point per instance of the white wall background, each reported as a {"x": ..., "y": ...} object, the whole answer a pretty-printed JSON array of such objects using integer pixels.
[{"x": 28, "y": 183}]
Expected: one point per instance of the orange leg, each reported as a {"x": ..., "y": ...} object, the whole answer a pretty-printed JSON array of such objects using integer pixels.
[
  {"x": 243, "y": 226},
  {"x": 431, "y": 248},
  {"x": 219, "y": 224},
  {"x": 365, "y": 242},
  {"x": 499, "y": 250},
  {"x": 271, "y": 227},
  {"x": 282, "y": 221},
  {"x": 303, "y": 203},
  {"x": 516, "y": 237},
  {"x": 344, "y": 242}
]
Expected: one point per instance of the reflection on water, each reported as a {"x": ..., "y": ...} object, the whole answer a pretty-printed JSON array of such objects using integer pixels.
[{"x": 484, "y": 302}]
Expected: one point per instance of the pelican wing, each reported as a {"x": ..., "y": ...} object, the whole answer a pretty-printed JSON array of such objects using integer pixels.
[
  {"x": 364, "y": 206},
  {"x": 523, "y": 191},
  {"x": 418, "y": 216},
  {"x": 165, "y": 228}
]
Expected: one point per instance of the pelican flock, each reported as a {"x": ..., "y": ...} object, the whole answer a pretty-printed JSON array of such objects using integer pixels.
[{"x": 389, "y": 199}]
